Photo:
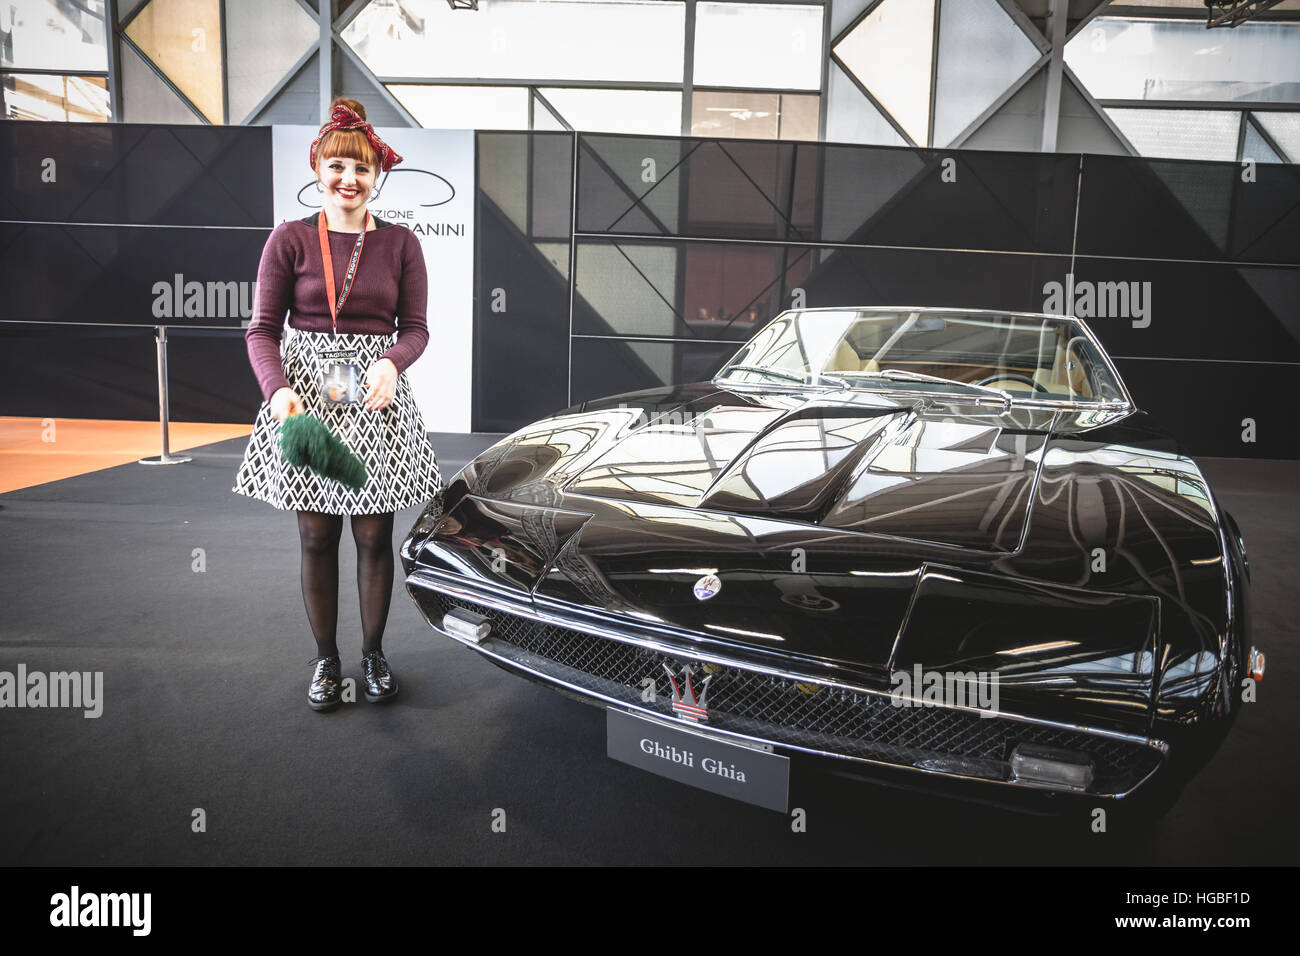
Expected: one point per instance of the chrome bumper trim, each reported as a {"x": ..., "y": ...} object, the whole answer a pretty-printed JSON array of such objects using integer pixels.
[{"x": 423, "y": 578}]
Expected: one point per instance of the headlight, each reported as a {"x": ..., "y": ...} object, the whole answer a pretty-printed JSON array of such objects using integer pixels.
[{"x": 429, "y": 519}]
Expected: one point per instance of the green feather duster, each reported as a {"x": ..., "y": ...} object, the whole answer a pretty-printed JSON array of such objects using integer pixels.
[{"x": 305, "y": 440}]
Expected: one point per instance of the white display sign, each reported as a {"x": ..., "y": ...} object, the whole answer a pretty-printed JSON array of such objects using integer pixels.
[{"x": 431, "y": 192}]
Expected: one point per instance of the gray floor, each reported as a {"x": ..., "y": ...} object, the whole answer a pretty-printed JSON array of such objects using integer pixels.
[{"x": 205, "y": 671}]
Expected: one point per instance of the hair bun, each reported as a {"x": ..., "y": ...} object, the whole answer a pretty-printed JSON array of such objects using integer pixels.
[{"x": 350, "y": 104}]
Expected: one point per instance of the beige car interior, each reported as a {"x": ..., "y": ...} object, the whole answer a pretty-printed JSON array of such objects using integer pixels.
[{"x": 1065, "y": 376}]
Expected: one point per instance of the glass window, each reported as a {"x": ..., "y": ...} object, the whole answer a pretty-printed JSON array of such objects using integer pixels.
[
  {"x": 763, "y": 45},
  {"x": 851, "y": 117},
  {"x": 889, "y": 52},
  {"x": 145, "y": 97},
  {"x": 981, "y": 53},
  {"x": 626, "y": 289},
  {"x": 503, "y": 174},
  {"x": 1198, "y": 6},
  {"x": 1136, "y": 59},
  {"x": 53, "y": 35},
  {"x": 657, "y": 112},
  {"x": 183, "y": 39},
  {"x": 264, "y": 39},
  {"x": 631, "y": 40},
  {"x": 751, "y": 115},
  {"x": 1180, "y": 134},
  {"x": 67, "y": 99},
  {"x": 1031, "y": 358},
  {"x": 543, "y": 118},
  {"x": 1284, "y": 128},
  {"x": 729, "y": 290},
  {"x": 1253, "y": 146},
  {"x": 464, "y": 107},
  {"x": 618, "y": 191}
]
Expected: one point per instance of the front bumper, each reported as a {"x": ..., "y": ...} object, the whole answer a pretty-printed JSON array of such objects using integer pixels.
[{"x": 791, "y": 712}]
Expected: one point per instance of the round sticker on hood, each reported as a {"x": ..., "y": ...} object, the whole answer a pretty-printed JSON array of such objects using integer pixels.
[{"x": 707, "y": 586}]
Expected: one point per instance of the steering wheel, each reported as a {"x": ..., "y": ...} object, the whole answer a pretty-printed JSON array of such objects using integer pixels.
[{"x": 1012, "y": 377}]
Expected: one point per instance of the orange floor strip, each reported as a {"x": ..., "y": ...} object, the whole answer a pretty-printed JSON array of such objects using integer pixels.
[{"x": 34, "y": 451}]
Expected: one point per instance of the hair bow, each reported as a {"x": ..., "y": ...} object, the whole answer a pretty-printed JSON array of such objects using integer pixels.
[{"x": 344, "y": 117}]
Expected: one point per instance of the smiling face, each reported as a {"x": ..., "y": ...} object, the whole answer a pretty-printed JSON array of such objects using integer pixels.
[{"x": 347, "y": 183}]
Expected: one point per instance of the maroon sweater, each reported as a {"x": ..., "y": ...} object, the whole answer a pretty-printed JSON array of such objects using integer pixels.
[{"x": 390, "y": 291}]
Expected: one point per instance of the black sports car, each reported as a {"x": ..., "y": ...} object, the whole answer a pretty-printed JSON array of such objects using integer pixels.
[{"x": 922, "y": 544}]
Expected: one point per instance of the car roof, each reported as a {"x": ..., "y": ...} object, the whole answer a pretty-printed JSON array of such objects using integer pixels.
[{"x": 930, "y": 308}]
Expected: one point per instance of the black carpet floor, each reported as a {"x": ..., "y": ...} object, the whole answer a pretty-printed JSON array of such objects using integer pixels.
[{"x": 204, "y": 717}]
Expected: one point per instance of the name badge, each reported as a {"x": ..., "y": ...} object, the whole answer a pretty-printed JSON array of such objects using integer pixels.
[{"x": 340, "y": 378}]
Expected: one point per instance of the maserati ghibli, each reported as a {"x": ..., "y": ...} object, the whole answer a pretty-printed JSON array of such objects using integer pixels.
[{"x": 922, "y": 545}]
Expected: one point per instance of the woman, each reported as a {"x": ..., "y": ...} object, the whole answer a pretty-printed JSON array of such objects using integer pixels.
[{"x": 343, "y": 318}]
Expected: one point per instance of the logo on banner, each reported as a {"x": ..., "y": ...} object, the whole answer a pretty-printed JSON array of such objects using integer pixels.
[{"x": 420, "y": 188}]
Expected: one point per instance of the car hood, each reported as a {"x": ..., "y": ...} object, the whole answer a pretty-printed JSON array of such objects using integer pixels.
[
  {"x": 863, "y": 532},
  {"x": 956, "y": 475}
]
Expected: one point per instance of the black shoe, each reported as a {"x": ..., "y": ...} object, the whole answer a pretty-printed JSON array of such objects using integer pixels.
[
  {"x": 326, "y": 689},
  {"x": 381, "y": 685}
]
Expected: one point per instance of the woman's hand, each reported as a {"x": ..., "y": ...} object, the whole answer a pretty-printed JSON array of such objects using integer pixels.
[
  {"x": 381, "y": 384},
  {"x": 285, "y": 402}
]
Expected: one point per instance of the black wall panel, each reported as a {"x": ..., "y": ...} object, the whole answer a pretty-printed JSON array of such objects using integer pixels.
[
  {"x": 523, "y": 210},
  {"x": 681, "y": 248},
  {"x": 1184, "y": 209},
  {"x": 92, "y": 218},
  {"x": 129, "y": 274},
  {"x": 606, "y": 366},
  {"x": 1207, "y": 405},
  {"x": 127, "y": 173},
  {"x": 1193, "y": 310},
  {"x": 61, "y": 371},
  {"x": 967, "y": 280},
  {"x": 523, "y": 350},
  {"x": 1189, "y": 271},
  {"x": 817, "y": 192}
]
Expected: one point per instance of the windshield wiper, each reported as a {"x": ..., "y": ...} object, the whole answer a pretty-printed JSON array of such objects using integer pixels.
[
  {"x": 902, "y": 375},
  {"x": 834, "y": 380},
  {"x": 779, "y": 373}
]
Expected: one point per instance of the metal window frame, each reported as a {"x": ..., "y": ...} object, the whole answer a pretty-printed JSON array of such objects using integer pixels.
[
  {"x": 123, "y": 38},
  {"x": 64, "y": 74},
  {"x": 880, "y": 107},
  {"x": 1268, "y": 139},
  {"x": 1121, "y": 9},
  {"x": 862, "y": 87},
  {"x": 1058, "y": 28},
  {"x": 1098, "y": 109},
  {"x": 110, "y": 72},
  {"x": 1216, "y": 106},
  {"x": 332, "y": 26},
  {"x": 1283, "y": 106}
]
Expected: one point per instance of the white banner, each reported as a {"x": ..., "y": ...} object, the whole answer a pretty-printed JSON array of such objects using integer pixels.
[{"x": 431, "y": 192}]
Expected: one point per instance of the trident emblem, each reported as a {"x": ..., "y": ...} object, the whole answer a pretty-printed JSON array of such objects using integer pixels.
[{"x": 686, "y": 703}]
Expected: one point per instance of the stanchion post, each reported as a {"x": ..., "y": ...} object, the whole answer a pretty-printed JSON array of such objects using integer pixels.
[{"x": 164, "y": 409}]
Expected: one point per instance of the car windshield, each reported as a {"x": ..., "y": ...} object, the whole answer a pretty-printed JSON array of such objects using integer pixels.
[{"x": 1016, "y": 358}]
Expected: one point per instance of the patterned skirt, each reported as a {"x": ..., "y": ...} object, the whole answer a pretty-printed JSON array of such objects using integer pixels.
[{"x": 401, "y": 468}]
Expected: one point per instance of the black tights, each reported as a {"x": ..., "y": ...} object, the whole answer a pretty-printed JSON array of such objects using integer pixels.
[{"x": 319, "y": 534}]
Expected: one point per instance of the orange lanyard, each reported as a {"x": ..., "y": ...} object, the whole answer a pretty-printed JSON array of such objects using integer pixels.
[{"x": 328, "y": 260}]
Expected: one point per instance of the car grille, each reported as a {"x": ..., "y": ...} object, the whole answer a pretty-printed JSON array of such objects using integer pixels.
[{"x": 805, "y": 714}]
